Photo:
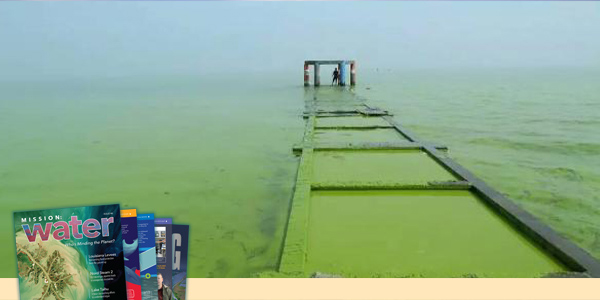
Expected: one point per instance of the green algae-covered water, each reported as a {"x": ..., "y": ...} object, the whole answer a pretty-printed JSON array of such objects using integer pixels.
[
  {"x": 416, "y": 233},
  {"x": 208, "y": 153},
  {"x": 217, "y": 154},
  {"x": 534, "y": 135}
]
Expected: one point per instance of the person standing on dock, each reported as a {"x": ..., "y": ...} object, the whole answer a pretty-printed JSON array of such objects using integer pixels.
[{"x": 336, "y": 76}]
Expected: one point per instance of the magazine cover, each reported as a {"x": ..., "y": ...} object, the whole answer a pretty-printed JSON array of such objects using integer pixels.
[
  {"x": 70, "y": 253},
  {"x": 164, "y": 263},
  {"x": 181, "y": 234},
  {"x": 131, "y": 253},
  {"x": 146, "y": 243}
]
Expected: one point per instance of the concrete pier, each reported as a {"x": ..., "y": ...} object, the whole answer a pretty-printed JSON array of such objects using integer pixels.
[{"x": 367, "y": 187}]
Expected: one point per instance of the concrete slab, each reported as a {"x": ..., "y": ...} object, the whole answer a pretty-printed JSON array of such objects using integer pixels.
[
  {"x": 353, "y": 136},
  {"x": 372, "y": 167},
  {"x": 354, "y": 121}
]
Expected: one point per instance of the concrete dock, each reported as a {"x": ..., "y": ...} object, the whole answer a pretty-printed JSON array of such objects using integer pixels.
[{"x": 373, "y": 200}]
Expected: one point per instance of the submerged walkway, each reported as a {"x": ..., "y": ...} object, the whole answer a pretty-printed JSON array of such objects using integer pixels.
[{"x": 372, "y": 200}]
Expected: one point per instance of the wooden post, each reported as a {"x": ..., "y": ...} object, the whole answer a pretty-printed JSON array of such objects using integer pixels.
[
  {"x": 317, "y": 75},
  {"x": 306, "y": 75}
]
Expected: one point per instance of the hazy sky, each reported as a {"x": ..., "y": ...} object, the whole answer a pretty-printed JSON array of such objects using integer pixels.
[{"x": 58, "y": 39}]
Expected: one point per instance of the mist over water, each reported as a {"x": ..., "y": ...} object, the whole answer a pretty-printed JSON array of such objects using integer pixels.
[{"x": 73, "y": 40}]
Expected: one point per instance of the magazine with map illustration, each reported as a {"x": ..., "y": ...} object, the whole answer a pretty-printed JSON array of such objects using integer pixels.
[
  {"x": 70, "y": 253},
  {"x": 180, "y": 237}
]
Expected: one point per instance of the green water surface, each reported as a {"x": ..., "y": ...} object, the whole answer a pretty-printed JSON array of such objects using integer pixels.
[
  {"x": 416, "y": 234},
  {"x": 533, "y": 134},
  {"x": 217, "y": 159},
  {"x": 216, "y": 154}
]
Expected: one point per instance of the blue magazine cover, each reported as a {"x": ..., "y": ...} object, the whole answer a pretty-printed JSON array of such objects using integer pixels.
[
  {"x": 146, "y": 240},
  {"x": 181, "y": 234},
  {"x": 132, "y": 254},
  {"x": 164, "y": 248}
]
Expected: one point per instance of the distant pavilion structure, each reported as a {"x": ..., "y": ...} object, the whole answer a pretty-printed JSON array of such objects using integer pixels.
[{"x": 342, "y": 67}]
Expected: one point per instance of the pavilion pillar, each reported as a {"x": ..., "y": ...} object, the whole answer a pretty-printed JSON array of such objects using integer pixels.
[
  {"x": 339, "y": 74},
  {"x": 317, "y": 75},
  {"x": 306, "y": 75},
  {"x": 343, "y": 74},
  {"x": 353, "y": 73}
]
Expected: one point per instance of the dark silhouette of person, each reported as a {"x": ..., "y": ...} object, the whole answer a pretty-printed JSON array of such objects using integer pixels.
[{"x": 336, "y": 76}]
